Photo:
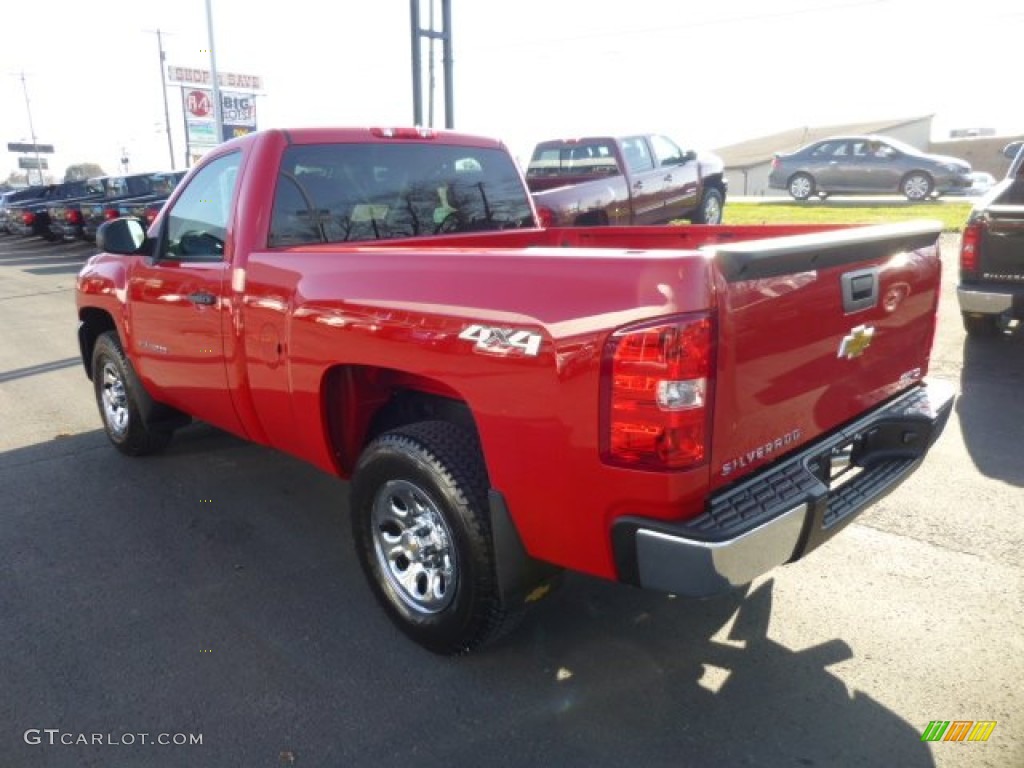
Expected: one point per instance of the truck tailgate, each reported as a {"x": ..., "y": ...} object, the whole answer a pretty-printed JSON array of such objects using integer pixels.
[
  {"x": 813, "y": 331},
  {"x": 1002, "y": 244}
]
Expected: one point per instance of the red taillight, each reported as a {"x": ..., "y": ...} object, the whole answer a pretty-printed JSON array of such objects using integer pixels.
[
  {"x": 151, "y": 213},
  {"x": 73, "y": 217},
  {"x": 110, "y": 214},
  {"x": 657, "y": 384},
  {"x": 27, "y": 218},
  {"x": 546, "y": 216},
  {"x": 775, "y": 162},
  {"x": 403, "y": 133},
  {"x": 969, "y": 247}
]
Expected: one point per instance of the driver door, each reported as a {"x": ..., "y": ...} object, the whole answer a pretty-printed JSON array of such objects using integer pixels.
[
  {"x": 179, "y": 300},
  {"x": 679, "y": 180}
]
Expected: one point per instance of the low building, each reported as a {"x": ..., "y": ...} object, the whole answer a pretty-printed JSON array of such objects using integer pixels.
[{"x": 983, "y": 153}]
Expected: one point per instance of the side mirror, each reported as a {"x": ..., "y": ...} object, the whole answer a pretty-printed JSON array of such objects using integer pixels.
[
  {"x": 125, "y": 237},
  {"x": 1011, "y": 149},
  {"x": 689, "y": 155}
]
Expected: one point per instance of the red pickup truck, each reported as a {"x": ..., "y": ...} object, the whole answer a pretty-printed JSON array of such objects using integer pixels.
[
  {"x": 641, "y": 179},
  {"x": 680, "y": 408}
]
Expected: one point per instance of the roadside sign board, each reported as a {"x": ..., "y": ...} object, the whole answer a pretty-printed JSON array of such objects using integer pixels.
[
  {"x": 30, "y": 164},
  {"x": 232, "y": 131},
  {"x": 237, "y": 109},
  {"x": 43, "y": 149},
  {"x": 199, "y": 104},
  {"x": 202, "y": 132},
  {"x": 192, "y": 76}
]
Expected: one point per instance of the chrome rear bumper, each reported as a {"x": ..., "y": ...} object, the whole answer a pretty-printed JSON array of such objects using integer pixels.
[{"x": 790, "y": 508}]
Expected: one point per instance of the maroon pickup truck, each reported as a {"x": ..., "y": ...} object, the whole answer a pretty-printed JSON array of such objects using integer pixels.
[
  {"x": 642, "y": 179},
  {"x": 680, "y": 408}
]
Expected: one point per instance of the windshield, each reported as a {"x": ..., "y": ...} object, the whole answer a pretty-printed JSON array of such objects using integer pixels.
[{"x": 357, "y": 192}]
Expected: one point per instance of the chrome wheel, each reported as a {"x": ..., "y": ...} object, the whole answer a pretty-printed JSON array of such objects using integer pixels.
[
  {"x": 712, "y": 210},
  {"x": 801, "y": 186},
  {"x": 115, "y": 400},
  {"x": 917, "y": 186},
  {"x": 414, "y": 547}
]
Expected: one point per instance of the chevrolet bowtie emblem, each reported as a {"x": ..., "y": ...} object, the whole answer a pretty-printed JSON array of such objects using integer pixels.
[{"x": 858, "y": 340}]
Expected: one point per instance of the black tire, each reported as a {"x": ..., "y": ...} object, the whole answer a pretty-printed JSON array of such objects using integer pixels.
[
  {"x": 801, "y": 186},
  {"x": 982, "y": 326},
  {"x": 118, "y": 396},
  {"x": 710, "y": 209},
  {"x": 917, "y": 186},
  {"x": 422, "y": 532}
]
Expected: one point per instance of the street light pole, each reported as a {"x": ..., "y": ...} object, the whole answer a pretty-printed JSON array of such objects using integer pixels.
[
  {"x": 32, "y": 129},
  {"x": 163, "y": 90},
  {"x": 217, "y": 113}
]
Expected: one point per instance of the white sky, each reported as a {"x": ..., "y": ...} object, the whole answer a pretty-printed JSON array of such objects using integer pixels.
[{"x": 706, "y": 74}]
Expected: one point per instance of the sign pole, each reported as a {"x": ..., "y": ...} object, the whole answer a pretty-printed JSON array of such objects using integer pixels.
[
  {"x": 218, "y": 117},
  {"x": 184, "y": 120},
  {"x": 32, "y": 131},
  {"x": 163, "y": 84}
]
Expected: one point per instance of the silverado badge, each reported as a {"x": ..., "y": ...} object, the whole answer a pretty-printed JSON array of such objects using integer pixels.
[{"x": 856, "y": 341}]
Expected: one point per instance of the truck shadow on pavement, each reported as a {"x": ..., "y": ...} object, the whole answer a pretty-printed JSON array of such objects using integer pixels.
[
  {"x": 991, "y": 404},
  {"x": 215, "y": 590}
]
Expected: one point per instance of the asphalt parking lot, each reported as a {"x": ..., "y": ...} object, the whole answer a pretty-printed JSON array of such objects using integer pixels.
[{"x": 213, "y": 592}]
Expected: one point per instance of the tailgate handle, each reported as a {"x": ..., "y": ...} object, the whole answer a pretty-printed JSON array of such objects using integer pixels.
[{"x": 860, "y": 290}]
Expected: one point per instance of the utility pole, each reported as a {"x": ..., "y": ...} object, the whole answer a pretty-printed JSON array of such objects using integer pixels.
[
  {"x": 32, "y": 129},
  {"x": 217, "y": 112},
  {"x": 163, "y": 91},
  {"x": 445, "y": 36}
]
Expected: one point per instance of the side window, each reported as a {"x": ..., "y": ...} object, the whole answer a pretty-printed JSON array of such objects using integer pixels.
[
  {"x": 666, "y": 152},
  {"x": 829, "y": 149},
  {"x": 636, "y": 155},
  {"x": 197, "y": 225}
]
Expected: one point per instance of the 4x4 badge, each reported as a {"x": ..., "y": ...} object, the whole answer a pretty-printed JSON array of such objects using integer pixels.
[
  {"x": 854, "y": 343},
  {"x": 502, "y": 340}
]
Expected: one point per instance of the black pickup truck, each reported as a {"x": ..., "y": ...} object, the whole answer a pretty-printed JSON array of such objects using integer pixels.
[
  {"x": 33, "y": 217},
  {"x": 14, "y": 197},
  {"x": 67, "y": 220},
  {"x": 991, "y": 289},
  {"x": 121, "y": 201}
]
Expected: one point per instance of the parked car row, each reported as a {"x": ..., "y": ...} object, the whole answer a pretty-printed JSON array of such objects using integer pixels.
[{"x": 74, "y": 210}]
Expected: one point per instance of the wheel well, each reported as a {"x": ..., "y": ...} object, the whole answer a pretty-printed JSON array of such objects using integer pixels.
[
  {"x": 715, "y": 181},
  {"x": 917, "y": 172},
  {"x": 93, "y": 323},
  {"x": 362, "y": 402}
]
